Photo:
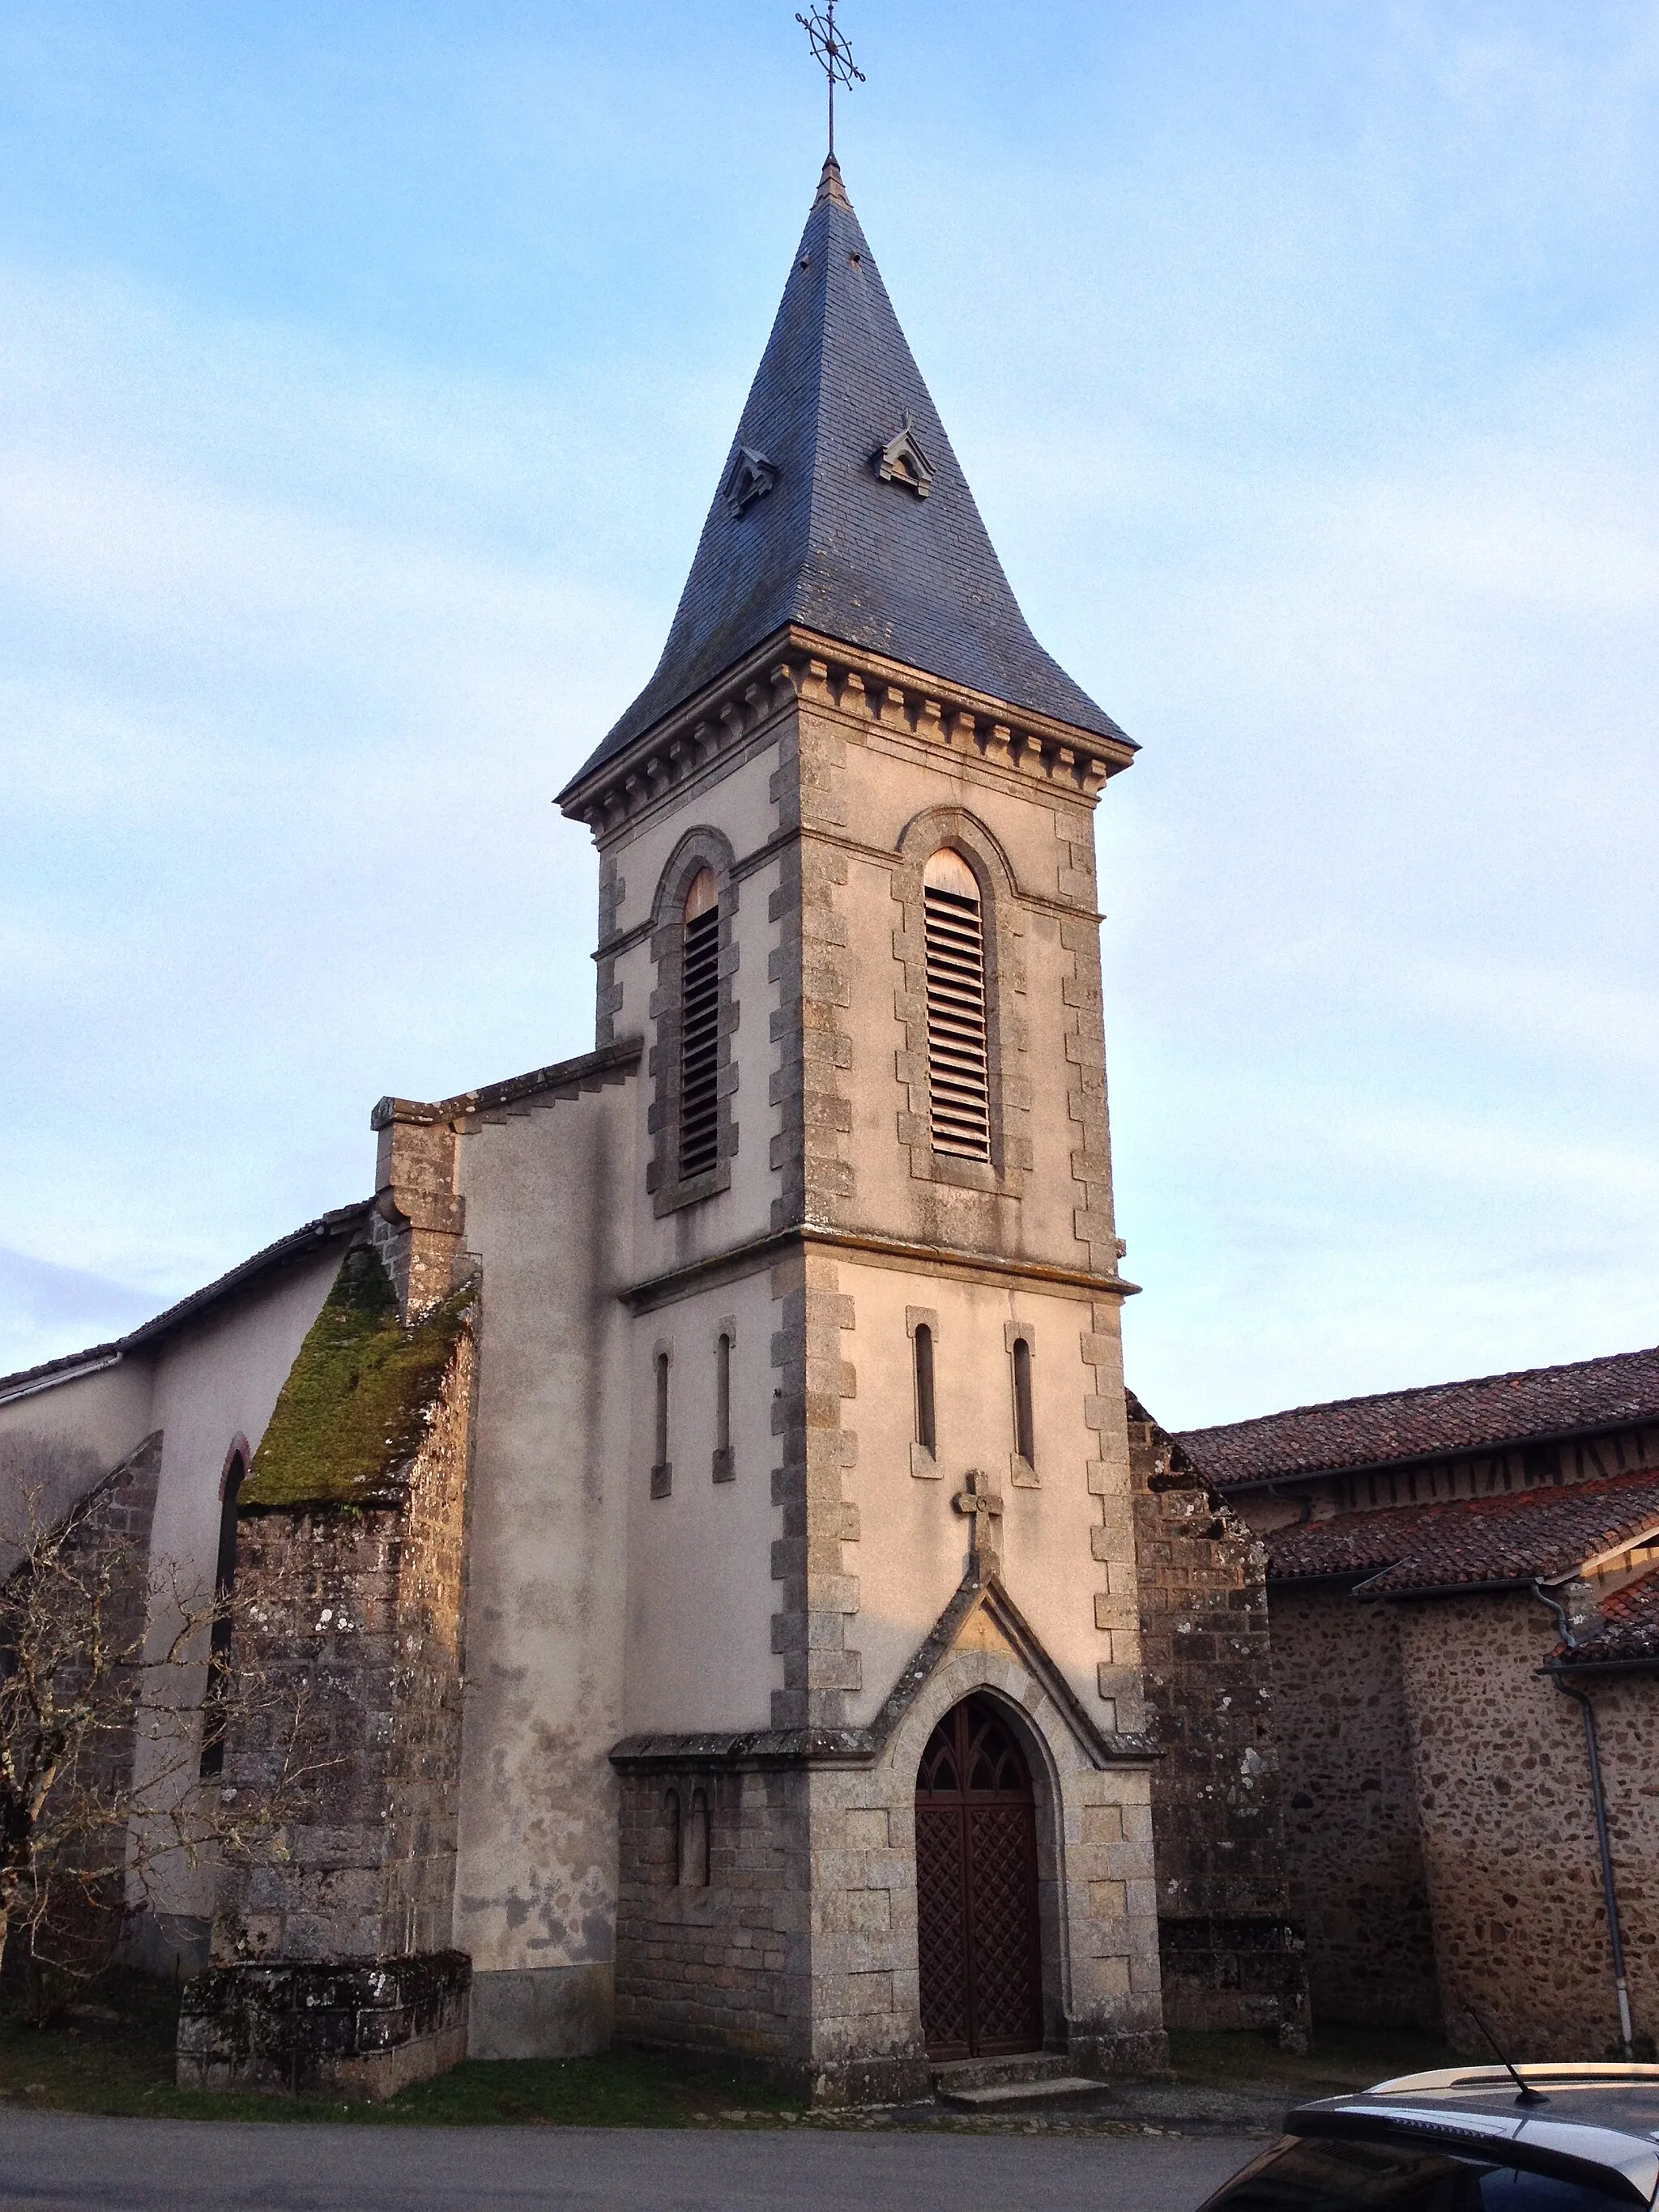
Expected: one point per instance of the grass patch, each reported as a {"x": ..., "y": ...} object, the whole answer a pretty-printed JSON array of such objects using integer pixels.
[
  {"x": 1338, "y": 2058},
  {"x": 112, "y": 2053}
]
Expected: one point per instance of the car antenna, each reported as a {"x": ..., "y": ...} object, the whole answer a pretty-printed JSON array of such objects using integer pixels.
[{"x": 1528, "y": 2095}]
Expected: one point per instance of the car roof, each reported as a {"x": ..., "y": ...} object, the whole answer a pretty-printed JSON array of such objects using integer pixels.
[{"x": 1596, "y": 2122}]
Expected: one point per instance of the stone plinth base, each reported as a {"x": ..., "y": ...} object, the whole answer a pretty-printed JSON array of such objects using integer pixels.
[
  {"x": 1236, "y": 1971},
  {"x": 1108, "y": 2055},
  {"x": 350, "y": 2027}
]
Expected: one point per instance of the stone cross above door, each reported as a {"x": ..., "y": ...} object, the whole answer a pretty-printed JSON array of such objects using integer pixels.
[{"x": 982, "y": 1506}]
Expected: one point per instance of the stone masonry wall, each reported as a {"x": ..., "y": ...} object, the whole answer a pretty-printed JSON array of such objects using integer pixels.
[
  {"x": 1232, "y": 1957},
  {"x": 1508, "y": 1840},
  {"x": 709, "y": 1920},
  {"x": 359, "y": 1619},
  {"x": 1358, "y": 1884}
]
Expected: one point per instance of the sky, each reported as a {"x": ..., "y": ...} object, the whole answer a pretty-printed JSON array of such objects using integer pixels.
[{"x": 366, "y": 372}]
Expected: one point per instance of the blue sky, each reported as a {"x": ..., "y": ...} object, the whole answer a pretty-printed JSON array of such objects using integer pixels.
[{"x": 365, "y": 373}]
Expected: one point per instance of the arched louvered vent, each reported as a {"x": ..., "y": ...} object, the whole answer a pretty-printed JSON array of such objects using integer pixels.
[
  {"x": 958, "y": 1070},
  {"x": 700, "y": 1012}
]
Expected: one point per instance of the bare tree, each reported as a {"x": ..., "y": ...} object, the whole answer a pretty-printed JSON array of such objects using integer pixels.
[{"x": 104, "y": 1663}]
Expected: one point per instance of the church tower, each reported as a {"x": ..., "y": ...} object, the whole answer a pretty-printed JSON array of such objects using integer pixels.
[{"x": 883, "y": 1794}]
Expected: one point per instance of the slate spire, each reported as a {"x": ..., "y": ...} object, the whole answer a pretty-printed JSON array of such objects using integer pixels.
[{"x": 841, "y": 508}]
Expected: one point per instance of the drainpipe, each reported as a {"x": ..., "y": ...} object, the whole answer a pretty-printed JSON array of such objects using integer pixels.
[{"x": 1598, "y": 1798}]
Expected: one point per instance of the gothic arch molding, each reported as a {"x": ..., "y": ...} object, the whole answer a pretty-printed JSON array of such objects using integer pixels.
[
  {"x": 1009, "y": 1087},
  {"x": 704, "y": 846},
  {"x": 1054, "y": 1759},
  {"x": 925, "y": 832}
]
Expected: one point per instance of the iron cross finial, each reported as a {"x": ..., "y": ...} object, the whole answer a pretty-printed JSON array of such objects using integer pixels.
[{"x": 833, "y": 56}]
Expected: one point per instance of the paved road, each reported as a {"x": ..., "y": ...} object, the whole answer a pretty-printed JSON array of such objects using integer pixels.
[{"x": 53, "y": 2162}]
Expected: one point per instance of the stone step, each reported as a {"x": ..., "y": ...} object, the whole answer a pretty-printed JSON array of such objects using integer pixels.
[
  {"x": 982, "y": 2073},
  {"x": 1002, "y": 2080},
  {"x": 998, "y": 2095}
]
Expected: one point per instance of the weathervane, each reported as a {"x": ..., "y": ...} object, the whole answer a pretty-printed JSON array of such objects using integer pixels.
[{"x": 833, "y": 56}]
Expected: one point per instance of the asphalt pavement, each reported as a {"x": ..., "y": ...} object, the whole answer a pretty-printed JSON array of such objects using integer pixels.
[{"x": 62, "y": 2162}]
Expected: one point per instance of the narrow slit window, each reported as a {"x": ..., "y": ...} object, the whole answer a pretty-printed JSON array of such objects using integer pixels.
[
  {"x": 924, "y": 1366},
  {"x": 700, "y": 1022},
  {"x": 661, "y": 1473},
  {"x": 1023, "y": 1444},
  {"x": 958, "y": 1063},
  {"x": 696, "y": 1871},
  {"x": 723, "y": 1463},
  {"x": 215, "y": 1706},
  {"x": 671, "y": 1814}
]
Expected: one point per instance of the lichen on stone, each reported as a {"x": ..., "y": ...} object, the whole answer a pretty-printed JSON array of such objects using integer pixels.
[{"x": 360, "y": 1397}]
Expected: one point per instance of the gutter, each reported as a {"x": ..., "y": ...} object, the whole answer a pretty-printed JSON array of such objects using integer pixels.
[
  {"x": 1599, "y": 1804},
  {"x": 70, "y": 1372},
  {"x": 1448, "y": 1589}
]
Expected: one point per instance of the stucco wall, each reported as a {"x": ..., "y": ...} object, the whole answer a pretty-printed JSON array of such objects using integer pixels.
[
  {"x": 215, "y": 1384},
  {"x": 61, "y": 1438},
  {"x": 207, "y": 1388},
  {"x": 701, "y": 1595},
  {"x": 545, "y": 1191},
  {"x": 913, "y": 1545},
  {"x": 1357, "y": 1881}
]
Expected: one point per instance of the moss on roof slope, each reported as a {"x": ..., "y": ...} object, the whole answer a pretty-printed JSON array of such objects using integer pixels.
[{"x": 359, "y": 1398}]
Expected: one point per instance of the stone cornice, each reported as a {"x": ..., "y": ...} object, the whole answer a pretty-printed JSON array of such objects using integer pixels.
[
  {"x": 860, "y": 687},
  {"x": 543, "y": 1087},
  {"x": 890, "y": 1251}
]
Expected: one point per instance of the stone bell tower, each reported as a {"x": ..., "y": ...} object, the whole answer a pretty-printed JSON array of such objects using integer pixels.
[{"x": 884, "y": 1790}]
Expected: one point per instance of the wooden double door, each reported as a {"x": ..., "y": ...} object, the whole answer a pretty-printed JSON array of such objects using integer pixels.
[{"x": 976, "y": 1888}]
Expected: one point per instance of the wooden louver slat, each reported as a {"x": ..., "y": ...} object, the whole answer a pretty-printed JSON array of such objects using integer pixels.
[
  {"x": 699, "y": 1008},
  {"x": 958, "y": 1073}
]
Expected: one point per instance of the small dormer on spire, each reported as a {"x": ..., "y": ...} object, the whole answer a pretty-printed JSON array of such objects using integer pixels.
[
  {"x": 842, "y": 510},
  {"x": 902, "y": 460},
  {"x": 749, "y": 478}
]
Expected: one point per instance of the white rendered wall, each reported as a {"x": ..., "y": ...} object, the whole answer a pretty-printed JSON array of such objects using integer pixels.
[
  {"x": 912, "y": 1548},
  {"x": 547, "y": 1569},
  {"x": 701, "y": 1595}
]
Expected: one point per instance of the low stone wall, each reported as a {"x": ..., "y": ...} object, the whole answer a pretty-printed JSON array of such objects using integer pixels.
[{"x": 356, "y": 2029}]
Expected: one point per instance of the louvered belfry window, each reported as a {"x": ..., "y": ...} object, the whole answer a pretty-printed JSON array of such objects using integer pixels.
[
  {"x": 958, "y": 1067},
  {"x": 700, "y": 1013}
]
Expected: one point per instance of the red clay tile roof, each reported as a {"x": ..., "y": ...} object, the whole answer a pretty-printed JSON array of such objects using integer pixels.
[
  {"x": 1509, "y": 1538},
  {"x": 1630, "y": 1629},
  {"x": 1536, "y": 1403}
]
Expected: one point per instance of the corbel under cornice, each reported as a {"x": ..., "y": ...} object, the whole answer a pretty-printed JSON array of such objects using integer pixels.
[{"x": 860, "y": 687}]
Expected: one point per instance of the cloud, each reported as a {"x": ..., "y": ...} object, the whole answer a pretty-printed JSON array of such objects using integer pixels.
[
  {"x": 45, "y": 1308},
  {"x": 1305, "y": 364}
]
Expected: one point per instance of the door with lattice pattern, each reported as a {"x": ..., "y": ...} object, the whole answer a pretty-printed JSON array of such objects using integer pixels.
[{"x": 976, "y": 1888}]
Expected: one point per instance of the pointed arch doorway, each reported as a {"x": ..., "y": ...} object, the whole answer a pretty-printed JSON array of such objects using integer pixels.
[{"x": 977, "y": 1939}]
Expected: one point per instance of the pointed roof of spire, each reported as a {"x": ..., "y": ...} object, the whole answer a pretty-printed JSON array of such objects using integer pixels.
[{"x": 843, "y": 508}]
